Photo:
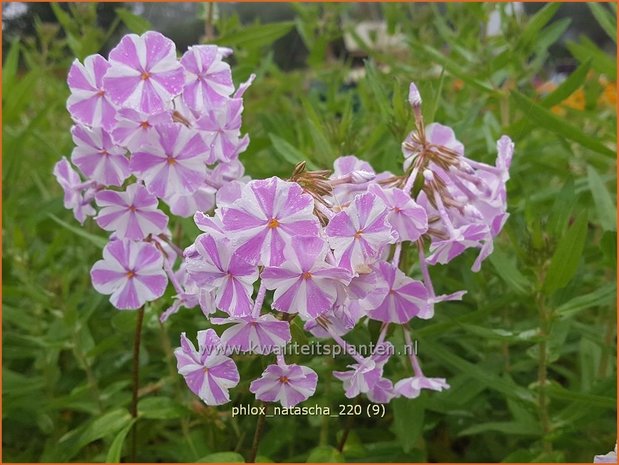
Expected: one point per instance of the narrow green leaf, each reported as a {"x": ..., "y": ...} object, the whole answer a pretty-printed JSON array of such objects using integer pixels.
[
  {"x": 288, "y": 152},
  {"x": 9, "y": 68},
  {"x": 567, "y": 255},
  {"x": 134, "y": 23},
  {"x": 222, "y": 457},
  {"x": 546, "y": 119},
  {"x": 538, "y": 21},
  {"x": 604, "y": 205},
  {"x": 114, "y": 453},
  {"x": 408, "y": 417},
  {"x": 603, "y": 296},
  {"x": 256, "y": 36},
  {"x": 569, "y": 86},
  {"x": 594, "y": 400},
  {"x": 159, "y": 408},
  {"x": 508, "y": 427},
  {"x": 325, "y": 454},
  {"x": 508, "y": 271},
  {"x": 600, "y": 60},
  {"x": 606, "y": 19}
]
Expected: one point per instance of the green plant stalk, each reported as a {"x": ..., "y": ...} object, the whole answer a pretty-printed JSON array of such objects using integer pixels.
[
  {"x": 542, "y": 370},
  {"x": 136, "y": 379}
]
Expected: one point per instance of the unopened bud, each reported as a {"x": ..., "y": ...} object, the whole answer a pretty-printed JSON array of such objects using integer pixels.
[
  {"x": 414, "y": 97},
  {"x": 428, "y": 175}
]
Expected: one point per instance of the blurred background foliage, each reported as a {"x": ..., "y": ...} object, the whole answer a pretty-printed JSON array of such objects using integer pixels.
[{"x": 529, "y": 352}]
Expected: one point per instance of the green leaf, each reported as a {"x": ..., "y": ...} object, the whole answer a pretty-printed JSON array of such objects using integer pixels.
[
  {"x": 134, "y": 23},
  {"x": 606, "y": 19},
  {"x": 408, "y": 415},
  {"x": 288, "y": 152},
  {"x": 604, "y": 205},
  {"x": 110, "y": 423},
  {"x": 567, "y": 255},
  {"x": 508, "y": 427},
  {"x": 159, "y": 408},
  {"x": 546, "y": 119},
  {"x": 9, "y": 68},
  {"x": 600, "y": 60},
  {"x": 96, "y": 240},
  {"x": 603, "y": 296},
  {"x": 508, "y": 271},
  {"x": 537, "y": 23},
  {"x": 256, "y": 36},
  {"x": 558, "y": 392},
  {"x": 325, "y": 454},
  {"x": 569, "y": 86},
  {"x": 114, "y": 453},
  {"x": 222, "y": 457}
]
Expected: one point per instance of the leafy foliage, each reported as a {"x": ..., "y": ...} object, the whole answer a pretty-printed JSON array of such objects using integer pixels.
[{"x": 547, "y": 297}]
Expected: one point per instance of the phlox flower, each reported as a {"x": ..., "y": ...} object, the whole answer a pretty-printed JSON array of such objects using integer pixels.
[
  {"x": 132, "y": 214},
  {"x": 186, "y": 205},
  {"x": 173, "y": 162},
  {"x": 221, "y": 129},
  {"x": 260, "y": 335},
  {"x": 286, "y": 384},
  {"x": 144, "y": 72},
  {"x": 226, "y": 272},
  {"x": 611, "y": 457},
  {"x": 305, "y": 282},
  {"x": 96, "y": 155},
  {"x": 73, "y": 188},
  {"x": 412, "y": 387},
  {"x": 444, "y": 251},
  {"x": 131, "y": 272},
  {"x": 208, "y": 79},
  {"x": 407, "y": 219},
  {"x": 88, "y": 103},
  {"x": 358, "y": 233},
  {"x": 382, "y": 392},
  {"x": 268, "y": 215},
  {"x": 133, "y": 129},
  {"x": 364, "y": 374},
  {"x": 436, "y": 134},
  {"x": 405, "y": 297},
  {"x": 207, "y": 371}
]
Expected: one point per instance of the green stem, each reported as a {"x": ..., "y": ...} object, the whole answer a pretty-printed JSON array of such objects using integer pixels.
[
  {"x": 542, "y": 371},
  {"x": 136, "y": 379}
]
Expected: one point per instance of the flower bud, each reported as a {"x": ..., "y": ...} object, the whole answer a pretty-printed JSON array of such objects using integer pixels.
[{"x": 414, "y": 97}]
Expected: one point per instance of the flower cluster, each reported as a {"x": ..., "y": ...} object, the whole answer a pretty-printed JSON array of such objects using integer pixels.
[
  {"x": 156, "y": 134},
  {"x": 149, "y": 129},
  {"x": 329, "y": 245}
]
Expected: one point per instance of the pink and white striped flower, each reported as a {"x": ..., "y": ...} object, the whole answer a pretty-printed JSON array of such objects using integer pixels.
[
  {"x": 98, "y": 157},
  {"x": 268, "y": 215},
  {"x": 366, "y": 373},
  {"x": 305, "y": 282},
  {"x": 256, "y": 334},
  {"x": 134, "y": 129},
  {"x": 407, "y": 219},
  {"x": 132, "y": 214},
  {"x": 74, "y": 190},
  {"x": 218, "y": 267},
  {"x": 208, "y": 79},
  {"x": 173, "y": 162},
  {"x": 221, "y": 129},
  {"x": 131, "y": 272},
  {"x": 405, "y": 297},
  {"x": 358, "y": 234},
  {"x": 412, "y": 387},
  {"x": 287, "y": 384},
  {"x": 144, "y": 74},
  {"x": 88, "y": 103},
  {"x": 207, "y": 371}
]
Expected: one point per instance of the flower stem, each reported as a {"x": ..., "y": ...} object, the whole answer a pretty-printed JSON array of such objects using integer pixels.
[
  {"x": 136, "y": 378},
  {"x": 251, "y": 458},
  {"x": 542, "y": 370}
]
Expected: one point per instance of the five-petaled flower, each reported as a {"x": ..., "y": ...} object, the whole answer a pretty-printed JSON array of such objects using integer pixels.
[{"x": 131, "y": 272}]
